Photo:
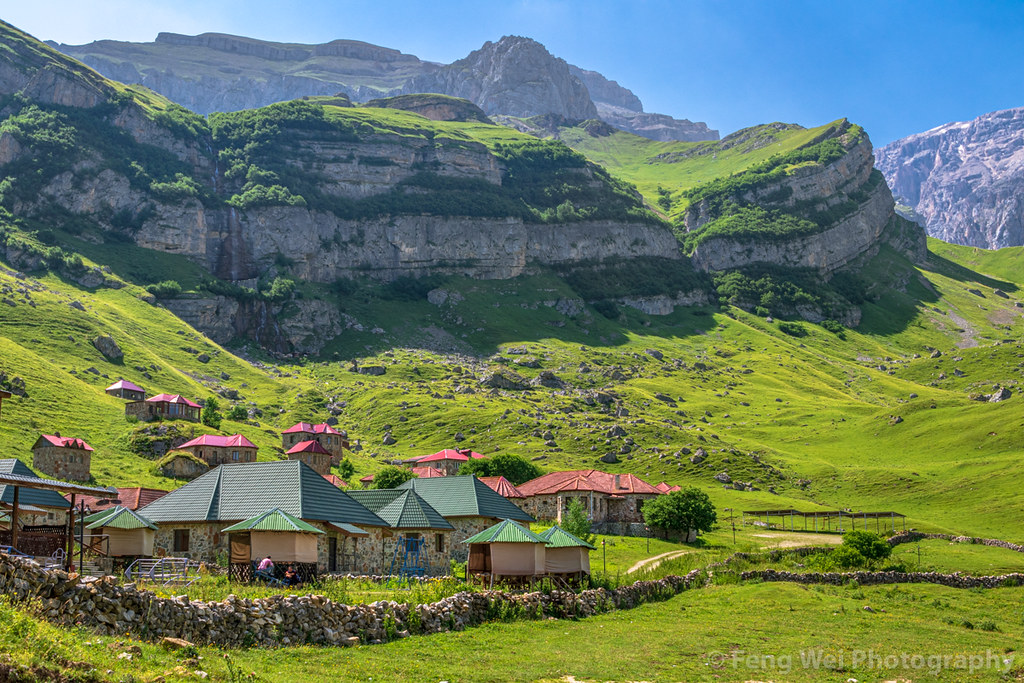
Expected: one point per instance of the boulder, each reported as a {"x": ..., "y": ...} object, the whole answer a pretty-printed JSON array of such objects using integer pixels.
[{"x": 106, "y": 345}]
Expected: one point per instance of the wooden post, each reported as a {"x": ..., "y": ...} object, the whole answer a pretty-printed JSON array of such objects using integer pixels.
[
  {"x": 14, "y": 519},
  {"x": 69, "y": 554}
]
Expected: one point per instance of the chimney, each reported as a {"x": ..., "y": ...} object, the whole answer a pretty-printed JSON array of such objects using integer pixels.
[
  {"x": 57, "y": 434},
  {"x": 617, "y": 486}
]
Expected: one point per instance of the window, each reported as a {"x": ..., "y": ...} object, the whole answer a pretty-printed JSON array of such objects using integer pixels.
[
  {"x": 234, "y": 456},
  {"x": 181, "y": 540},
  {"x": 439, "y": 542}
]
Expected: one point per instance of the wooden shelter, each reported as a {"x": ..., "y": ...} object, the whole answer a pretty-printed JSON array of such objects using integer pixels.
[
  {"x": 120, "y": 532},
  {"x": 287, "y": 540},
  {"x": 507, "y": 551},
  {"x": 565, "y": 555},
  {"x": 20, "y": 487}
]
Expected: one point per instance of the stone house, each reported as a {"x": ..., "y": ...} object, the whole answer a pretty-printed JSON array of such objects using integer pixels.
[
  {"x": 607, "y": 498},
  {"x": 409, "y": 516},
  {"x": 447, "y": 461},
  {"x": 122, "y": 388},
  {"x": 466, "y": 503},
  {"x": 333, "y": 441},
  {"x": 62, "y": 457},
  {"x": 313, "y": 454},
  {"x": 3, "y": 395},
  {"x": 191, "y": 519},
  {"x": 164, "y": 407},
  {"x": 219, "y": 450}
]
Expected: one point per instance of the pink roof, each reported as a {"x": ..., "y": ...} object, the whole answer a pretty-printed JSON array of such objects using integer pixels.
[
  {"x": 427, "y": 472},
  {"x": 66, "y": 442},
  {"x": 125, "y": 384},
  {"x": 336, "y": 480},
  {"x": 307, "y": 428},
  {"x": 367, "y": 479},
  {"x": 462, "y": 455},
  {"x": 665, "y": 488},
  {"x": 586, "y": 480},
  {"x": 308, "y": 447},
  {"x": 503, "y": 487},
  {"x": 236, "y": 441},
  {"x": 172, "y": 398}
]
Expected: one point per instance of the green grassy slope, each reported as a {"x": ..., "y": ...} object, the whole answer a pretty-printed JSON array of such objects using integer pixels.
[{"x": 815, "y": 407}]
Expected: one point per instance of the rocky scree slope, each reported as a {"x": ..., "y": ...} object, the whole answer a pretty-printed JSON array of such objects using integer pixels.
[
  {"x": 514, "y": 76},
  {"x": 963, "y": 179}
]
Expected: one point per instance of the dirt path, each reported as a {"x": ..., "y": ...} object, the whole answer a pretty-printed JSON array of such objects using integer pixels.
[
  {"x": 799, "y": 540},
  {"x": 653, "y": 562}
]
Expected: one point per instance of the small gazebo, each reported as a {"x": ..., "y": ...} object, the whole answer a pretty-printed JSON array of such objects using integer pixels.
[
  {"x": 285, "y": 538},
  {"x": 566, "y": 555},
  {"x": 506, "y": 551},
  {"x": 124, "y": 532}
]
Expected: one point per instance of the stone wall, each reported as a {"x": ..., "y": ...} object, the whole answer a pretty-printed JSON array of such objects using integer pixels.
[
  {"x": 216, "y": 455},
  {"x": 112, "y": 609},
  {"x": 913, "y": 536},
  {"x": 466, "y": 527},
  {"x": 876, "y": 578},
  {"x": 320, "y": 462},
  {"x": 438, "y": 563},
  {"x": 62, "y": 463}
]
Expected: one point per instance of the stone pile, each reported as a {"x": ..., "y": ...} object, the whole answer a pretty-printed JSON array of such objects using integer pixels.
[{"x": 114, "y": 609}]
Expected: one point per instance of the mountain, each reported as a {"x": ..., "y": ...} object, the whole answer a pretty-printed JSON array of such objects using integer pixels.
[
  {"x": 964, "y": 180},
  {"x": 515, "y": 76}
]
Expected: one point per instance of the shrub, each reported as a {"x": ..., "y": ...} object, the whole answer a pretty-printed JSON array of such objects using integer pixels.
[
  {"x": 515, "y": 468},
  {"x": 871, "y": 546},
  {"x": 168, "y": 289},
  {"x": 576, "y": 522},
  {"x": 211, "y": 416},
  {"x": 346, "y": 469},
  {"x": 390, "y": 477},
  {"x": 238, "y": 413},
  {"x": 792, "y": 329},
  {"x": 835, "y": 328}
]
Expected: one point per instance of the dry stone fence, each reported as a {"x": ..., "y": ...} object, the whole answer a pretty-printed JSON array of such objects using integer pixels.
[
  {"x": 877, "y": 578},
  {"x": 113, "y": 609}
]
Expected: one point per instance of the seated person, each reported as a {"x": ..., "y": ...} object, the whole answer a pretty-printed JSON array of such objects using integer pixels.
[
  {"x": 291, "y": 577},
  {"x": 265, "y": 569}
]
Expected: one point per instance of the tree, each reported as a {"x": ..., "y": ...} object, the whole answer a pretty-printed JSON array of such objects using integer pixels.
[
  {"x": 211, "y": 414},
  {"x": 515, "y": 468},
  {"x": 683, "y": 511},
  {"x": 871, "y": 546},
  {"x": 346, "y": 469},
  {"x": 391, "y": 477},
  {"x": 575, "y": 521},
  {"x": 238, "y": 413}
]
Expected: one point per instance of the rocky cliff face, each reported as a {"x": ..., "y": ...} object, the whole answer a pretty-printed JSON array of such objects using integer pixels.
[
  {"x": 848, "y": 182},
  {"x": 515, "y": 76},
  {"x": 964, "y": 179}
]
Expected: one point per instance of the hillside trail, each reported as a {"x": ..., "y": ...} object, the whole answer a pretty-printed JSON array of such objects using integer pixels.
[{"x": 654, "y": 562}]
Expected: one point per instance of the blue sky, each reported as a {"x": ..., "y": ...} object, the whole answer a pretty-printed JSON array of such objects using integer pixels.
[{"x": 895, "y": 67}]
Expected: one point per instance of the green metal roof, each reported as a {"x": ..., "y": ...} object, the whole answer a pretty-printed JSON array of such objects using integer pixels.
[
  {"x": 28, "y": 496},
  {"x": 121, "y": 518},
  {"x": 557, "y": 537},
  {"x": 240, "y": 491},
  {"x": 402, "y": 508},
  {"x": 102, "y": 514},
  {"x": 506, "y": 531},
  {"x": 274, "y": 520},
  {"x": 465, "y": 496}
]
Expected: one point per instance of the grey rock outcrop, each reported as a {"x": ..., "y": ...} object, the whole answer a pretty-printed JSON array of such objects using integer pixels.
[
  {"x": 964, "y": 179},
  {"x": 106, "y": 345},
  {"x": 655, "y": 126},
  {"x": 514, "y": 76}
]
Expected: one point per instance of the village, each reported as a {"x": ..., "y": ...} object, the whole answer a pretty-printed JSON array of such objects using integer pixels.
[{"x": 233, "y": 511}]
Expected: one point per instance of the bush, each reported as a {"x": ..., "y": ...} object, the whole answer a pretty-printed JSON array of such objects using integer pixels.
[
  {"x": 792, "y": 329},
  {"x": 515, "y": 468},
  {"x": 211, "y": 416},
  {"x": 168, "y": 289},
  {"x": 576, "y": 522},
  {"x": 391, "y": 477},
  {"x": 835, "y": 328},
  {"x": 238, "y": 413},
  {"x": 346, "y": 469},
  {"x": 871, "y": 546}
]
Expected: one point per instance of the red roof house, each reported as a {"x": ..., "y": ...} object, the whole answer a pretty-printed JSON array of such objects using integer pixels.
[
  {"x": 448, "y": 461},
  {"x": 427, "y": 472},
  {"x": 313, "y": 454},
  {"x": 336, "y": 480},
  {"x": 324, "y": 434},
  {"x": 665, "y": 488},
  {"x": 217, "y": 450},
  {"x": 62, "y": 457},
  {"x": 122, "y": 388},
  {"x": 164, "y": 407},
  {"x": 607, "y": 497}
]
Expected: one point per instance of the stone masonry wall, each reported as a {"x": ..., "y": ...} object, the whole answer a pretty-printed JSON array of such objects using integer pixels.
[
  {"x": 62, "y": 463},
  {"x": 109, "y": 608}
]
